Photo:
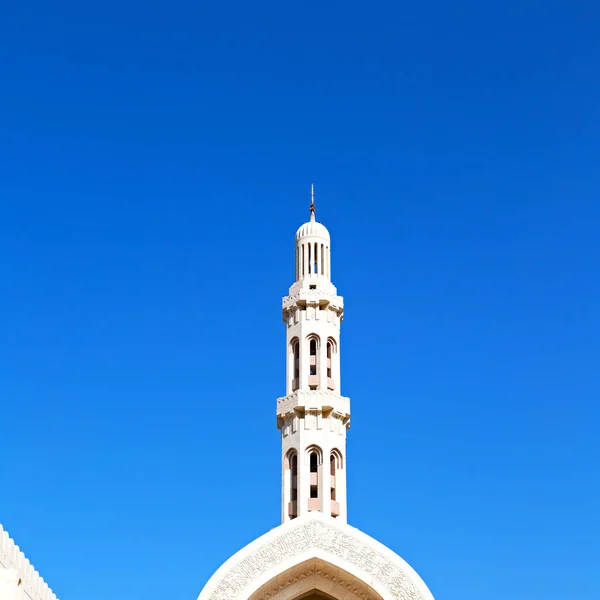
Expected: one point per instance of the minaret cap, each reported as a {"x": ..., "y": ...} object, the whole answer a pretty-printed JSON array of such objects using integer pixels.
[{"x": 313, "y": 228}]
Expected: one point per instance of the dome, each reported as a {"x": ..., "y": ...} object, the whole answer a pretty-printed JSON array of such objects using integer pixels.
[{"x": 312, "y": 229}]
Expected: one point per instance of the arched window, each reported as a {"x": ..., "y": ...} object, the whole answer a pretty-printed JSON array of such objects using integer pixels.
[
  {"x": 335, "y": 464},
  {"x": 313, "y": 362},
  {"x": 314, "y": 477},
  {"x": 314, "y": 461},
  {"x": 291, "y": 464},
  {"x": 294, "y": 473},
  {"x": 295, "y": 364},
  {"x": 332, "y": 473},
  {"x": 331, "y": 363}
]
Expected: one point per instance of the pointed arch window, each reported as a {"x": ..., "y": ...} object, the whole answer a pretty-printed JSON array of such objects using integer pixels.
[
  {"x": 314, "y": 474},
  {"x": 331, "y": 362},
  {"x": 314, "y": 462},
  {"x": 295, "y": 364},
  {"x": 313, "y": 362},
  {"x": 291, "y": 464},
  {"x": 335, "y": 465},
  {"x": 332, "y": 474}
]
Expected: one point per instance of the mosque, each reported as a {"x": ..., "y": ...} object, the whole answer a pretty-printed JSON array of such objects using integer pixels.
[{"x": 314, "y": 554}]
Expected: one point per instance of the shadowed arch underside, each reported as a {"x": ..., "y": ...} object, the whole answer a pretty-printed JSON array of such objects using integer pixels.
[{"x": 315, "y": 579}]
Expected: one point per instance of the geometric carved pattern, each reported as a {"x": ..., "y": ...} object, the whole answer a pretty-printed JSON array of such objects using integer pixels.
[
  {"x": 326, "y": 537},
  {"x": 360, "y": 592}
]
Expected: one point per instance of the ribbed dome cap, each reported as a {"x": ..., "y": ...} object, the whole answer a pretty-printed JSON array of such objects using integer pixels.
[{"x": 312, "y": 229}]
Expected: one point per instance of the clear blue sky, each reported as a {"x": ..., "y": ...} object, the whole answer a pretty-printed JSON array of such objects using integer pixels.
[{"x": 155, "y": 162}]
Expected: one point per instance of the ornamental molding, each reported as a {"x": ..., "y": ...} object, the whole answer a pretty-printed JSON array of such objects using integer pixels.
[
  {"x": 313, "y": 400},
  {"x": 315, "y": 536},
  {"x": 359, "y": 591},
  {"x": 334, "y": 302}
]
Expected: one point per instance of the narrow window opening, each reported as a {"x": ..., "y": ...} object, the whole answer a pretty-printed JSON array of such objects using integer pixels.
[
  {"x": 313, "y": 353},
  {"x": 314, "y": 467},
  {"x": 329, "y": 353},
  {"x": 309, "y": 258},
  {"x": 315, "y": 259},
  {"x": 302, "y": 260},
  {"x": 293, "y": 504},
  {"x": 332, "y": 471},
  {"x": 294, "y": 490},
  {"x": 322, "y": 260},
  {"x": 296, "y": 365},
  {"x": 312, "y": 287}
]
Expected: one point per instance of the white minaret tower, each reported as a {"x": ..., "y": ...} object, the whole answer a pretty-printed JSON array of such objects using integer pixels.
[
  {"x": 313, "y": 416},
  {"x": 314, "y": 551}
]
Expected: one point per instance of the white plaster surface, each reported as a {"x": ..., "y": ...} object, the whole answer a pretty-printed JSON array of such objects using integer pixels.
[{"x": 316, "y": 536}]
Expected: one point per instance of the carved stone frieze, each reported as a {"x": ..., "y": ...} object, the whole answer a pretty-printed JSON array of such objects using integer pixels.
[
  {"x": 325, "y": 537},
  {"x": 358, "y": 591}
]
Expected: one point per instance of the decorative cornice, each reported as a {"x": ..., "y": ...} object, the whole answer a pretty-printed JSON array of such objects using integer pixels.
[
  {"x": 313, "y": 400},
  {"x": 334, "y": 302},
  {"x": 32, "y": 582}
]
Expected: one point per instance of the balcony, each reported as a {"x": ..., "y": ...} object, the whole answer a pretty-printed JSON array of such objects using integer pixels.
[
  {"x": 314, "y": 504},
  {"x": 313, "y": 381}
]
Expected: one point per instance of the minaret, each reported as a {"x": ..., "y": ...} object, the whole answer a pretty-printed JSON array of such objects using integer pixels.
[
  {"x": 314, "y": 552},
  {"x": 313, "y": 416}
]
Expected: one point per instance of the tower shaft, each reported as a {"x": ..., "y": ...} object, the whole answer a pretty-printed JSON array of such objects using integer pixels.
[{"x": 313, "y": 416}]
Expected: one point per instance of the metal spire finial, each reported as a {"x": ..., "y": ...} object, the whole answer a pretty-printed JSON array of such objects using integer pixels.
[{"x": 312, "y": 201}]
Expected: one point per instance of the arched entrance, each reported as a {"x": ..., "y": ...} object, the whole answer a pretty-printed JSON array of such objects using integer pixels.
[{"x": 315, "y": 579}]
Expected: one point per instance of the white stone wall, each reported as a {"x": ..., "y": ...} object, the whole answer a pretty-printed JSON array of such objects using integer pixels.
[{"x": 18, "y": 579}]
